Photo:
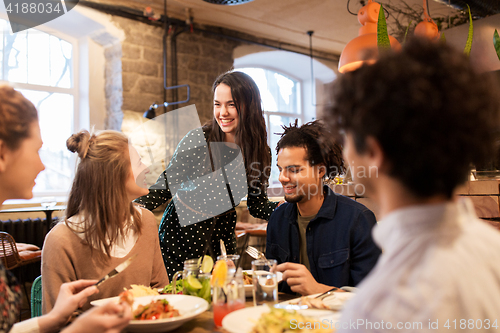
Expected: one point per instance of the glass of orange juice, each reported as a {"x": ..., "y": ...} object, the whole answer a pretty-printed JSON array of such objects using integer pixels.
[{"x": 228, "y": 296}]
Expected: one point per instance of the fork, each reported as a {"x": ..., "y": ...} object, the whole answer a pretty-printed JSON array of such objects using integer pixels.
[
  {"x": 254, "y": 253},
  {"x": 327, "y": 293}
]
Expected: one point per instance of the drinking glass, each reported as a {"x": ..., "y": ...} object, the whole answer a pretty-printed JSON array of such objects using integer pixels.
[
  {"x": 48, "y": 202},
  {"x": 194, "y": 282},
  {"x": 231, "y": 259},
  {"x": 265, "y": 282},
  {"x": 229, "y": 297}
]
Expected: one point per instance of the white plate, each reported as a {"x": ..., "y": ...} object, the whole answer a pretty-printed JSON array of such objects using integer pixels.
[
  {"x": 243, "y": 321},
  {"x": 249, "y": 287},
  {"x": 335, "y": 301},
  {"x": 188, "y": 306}
]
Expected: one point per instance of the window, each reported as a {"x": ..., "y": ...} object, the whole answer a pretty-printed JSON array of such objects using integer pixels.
[
  {"x": 40, "y": 66},
  {"x": 281, "y": 104}
]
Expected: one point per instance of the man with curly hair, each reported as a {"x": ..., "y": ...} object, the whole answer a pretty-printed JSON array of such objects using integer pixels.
[
  {"x": 422, "y": 117},
  {"x": 319, "y": 238}
]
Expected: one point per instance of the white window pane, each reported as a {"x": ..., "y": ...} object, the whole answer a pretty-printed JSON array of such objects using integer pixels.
[
  {"x": 61, "y": 53},
  {"x": 38, "y": 66},
  {"x": 55, "y": 113},
  {"x": 278, "y": 92},
  {"x": 3, "y": 26},
  {"x": 15, "y": 47}
]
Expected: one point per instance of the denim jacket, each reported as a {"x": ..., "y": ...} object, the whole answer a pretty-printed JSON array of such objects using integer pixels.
[{"x": 340, "y": 247}]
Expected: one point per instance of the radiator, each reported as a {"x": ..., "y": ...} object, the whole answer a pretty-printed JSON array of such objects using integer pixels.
[{"x": 31, "y": 231}]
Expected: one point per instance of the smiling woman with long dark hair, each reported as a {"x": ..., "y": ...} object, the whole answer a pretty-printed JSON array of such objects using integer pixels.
[{"x": 237, "y": 127}]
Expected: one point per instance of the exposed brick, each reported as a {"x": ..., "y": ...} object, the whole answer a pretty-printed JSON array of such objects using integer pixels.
[
  {"x": 130, "y": 51},
  {"x": 139, "y": 102},
  {"x": 211, "y": 50},
  {"x": 202, "y": 64},
  {"x": 183, "y": 60},
  {"x": 142, "y": 39},
  {"x": 197, "y": 78},
  {"x": 188, "y": 48},
  {"x": 151, "y": 85},
  {"x": 153, "y": 55},
  {"x": 129, "y": 80},
  {"x": 224, "y": 67},
  {"x": 140, "y": 67}
]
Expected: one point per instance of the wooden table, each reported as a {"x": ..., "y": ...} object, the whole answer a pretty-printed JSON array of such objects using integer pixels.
[{"x": 204, "y": 323}]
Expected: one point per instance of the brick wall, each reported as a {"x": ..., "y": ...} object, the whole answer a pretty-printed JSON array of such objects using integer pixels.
[{"x": 200, "y": 59}]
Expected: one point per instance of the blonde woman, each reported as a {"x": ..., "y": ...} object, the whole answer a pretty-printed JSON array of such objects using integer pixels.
[
  {"x": 20, "y": 163},
  {"x": 102, "y": 227}
]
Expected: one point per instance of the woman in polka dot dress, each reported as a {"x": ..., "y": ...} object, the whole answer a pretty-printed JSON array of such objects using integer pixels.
[{"x": 238, "y": 122}]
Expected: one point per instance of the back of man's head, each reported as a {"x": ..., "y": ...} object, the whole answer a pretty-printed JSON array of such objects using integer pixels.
[
  {"x": 431, "y": 113},
  {"x": 319, "y": 144}
]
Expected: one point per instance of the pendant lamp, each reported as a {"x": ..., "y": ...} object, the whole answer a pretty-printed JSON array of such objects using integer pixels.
[
  {"x": 363, "y": 49},
  {"x": 427, "y": 28}
]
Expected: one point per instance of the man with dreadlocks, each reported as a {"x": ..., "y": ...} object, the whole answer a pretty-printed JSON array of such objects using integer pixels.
[{"x": 319, "y": 238}]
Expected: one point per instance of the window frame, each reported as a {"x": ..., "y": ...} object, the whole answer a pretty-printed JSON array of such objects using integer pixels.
[
  {"x": 300, "y": 100},
  {"x": 74, "y": 90}
]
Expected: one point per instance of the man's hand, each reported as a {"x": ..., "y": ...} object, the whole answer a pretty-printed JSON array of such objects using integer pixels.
[
  {"x": 300, "y": 280},
  {"x": 109, "y": 318},
  {"x": 72, "y": 295}
]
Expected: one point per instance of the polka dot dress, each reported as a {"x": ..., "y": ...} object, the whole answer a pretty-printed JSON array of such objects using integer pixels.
[{"x": 199, "y": 196}]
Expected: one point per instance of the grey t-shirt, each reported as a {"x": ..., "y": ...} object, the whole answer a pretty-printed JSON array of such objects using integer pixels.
[{"x": 303, "y": 222}]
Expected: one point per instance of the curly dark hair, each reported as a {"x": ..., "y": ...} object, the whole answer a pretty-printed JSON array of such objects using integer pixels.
[
  {"x": 319, "y": 144},
  {"x": 431, "y": 113}
]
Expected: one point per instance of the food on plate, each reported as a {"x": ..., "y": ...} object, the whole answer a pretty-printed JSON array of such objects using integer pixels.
[
  {"x": 313, "y": 303},
  {"x": 283, "y": 321},
  {"x": 159, "y": 309},
  {"x": 126, "y": 297},
  {"x": 168, "y": 288},
  {"x": 247, "y": 278},
  {"x": 140, "y": 290}
]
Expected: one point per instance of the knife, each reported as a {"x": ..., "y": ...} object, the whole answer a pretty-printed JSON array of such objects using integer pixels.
[{"x": 118, "y": 269}]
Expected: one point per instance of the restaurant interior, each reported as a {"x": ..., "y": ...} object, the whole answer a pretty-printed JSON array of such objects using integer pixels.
[{"x": 117, "y": 64}]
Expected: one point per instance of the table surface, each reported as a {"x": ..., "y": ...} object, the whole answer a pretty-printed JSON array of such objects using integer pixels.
[
  {"x": 32, "y": 209},
  {"x": 204, "y": 323}
]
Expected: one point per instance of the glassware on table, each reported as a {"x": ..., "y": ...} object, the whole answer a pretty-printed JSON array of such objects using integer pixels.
[
  {"x": 265, "y": 282},
  {"x": 48, "y": 202},
  {"x": 231, "y": 259},
  {"x": 229, "y": 297},
  {"x": 194, "y": 282}
]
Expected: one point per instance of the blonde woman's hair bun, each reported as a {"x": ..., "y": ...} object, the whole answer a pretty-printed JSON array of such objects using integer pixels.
[{"x": 79, "y": 143}]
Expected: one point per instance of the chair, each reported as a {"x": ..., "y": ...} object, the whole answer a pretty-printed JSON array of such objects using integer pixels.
[
  {"x": 14, "y": 255},
  {"x": 36, "y": 297},
  {"x": 17, "y": 254}
]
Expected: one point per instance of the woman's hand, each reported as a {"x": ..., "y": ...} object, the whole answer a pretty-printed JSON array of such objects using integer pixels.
[
  {"x": 72, "y": 295},
  {"x": 109, "y": 318}
]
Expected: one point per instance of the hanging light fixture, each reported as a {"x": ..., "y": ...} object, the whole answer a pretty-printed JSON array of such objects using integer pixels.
[
  {"x": 363, "y": 49},
  {"x": 427, "y": 28}
]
